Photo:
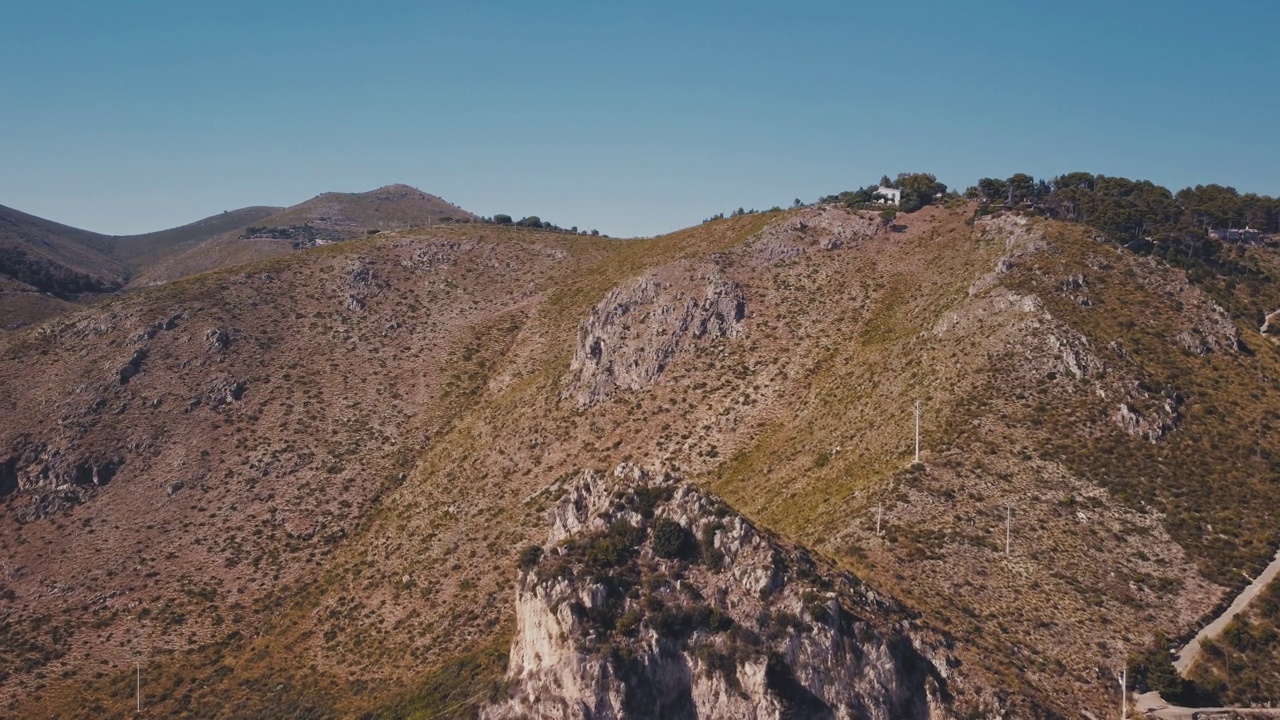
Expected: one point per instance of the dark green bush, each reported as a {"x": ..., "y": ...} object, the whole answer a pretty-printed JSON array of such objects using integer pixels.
[
  {"x": 530, "y": 556},
  {"x": 671, "y": 540},
  {"x": 711, "y": 555},
  {"x": 646, "y": 499},
  {"x": 612, "y": 547}
]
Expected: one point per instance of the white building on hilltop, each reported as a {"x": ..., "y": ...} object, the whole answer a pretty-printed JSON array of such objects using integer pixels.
[{"x": 889, "y": 196}]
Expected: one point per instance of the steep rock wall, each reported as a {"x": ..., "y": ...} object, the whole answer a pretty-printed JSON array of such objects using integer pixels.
[{"x": 655, "y": 600}]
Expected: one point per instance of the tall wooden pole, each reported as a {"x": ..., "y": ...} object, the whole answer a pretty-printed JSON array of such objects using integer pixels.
[
  {"x": 1008, "y": 527},
  {"x": 917, "y": 431},
  {"x": 1124, "y": 693}
]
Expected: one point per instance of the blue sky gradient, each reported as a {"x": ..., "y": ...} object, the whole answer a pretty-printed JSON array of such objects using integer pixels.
[{"x": 634, "y": 118}]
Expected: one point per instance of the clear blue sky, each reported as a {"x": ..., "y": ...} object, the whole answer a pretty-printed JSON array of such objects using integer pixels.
[{"x": 635, "y": 118}]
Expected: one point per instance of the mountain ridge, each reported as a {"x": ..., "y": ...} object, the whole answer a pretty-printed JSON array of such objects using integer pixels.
[
  {"x": 46, "y": 268},
  {"x": 393, "y": 410}
]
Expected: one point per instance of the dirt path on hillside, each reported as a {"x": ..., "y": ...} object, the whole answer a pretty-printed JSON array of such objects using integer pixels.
[
  {"x": 1151, "y": 705},
  {"x": 1188, "y": 654}
]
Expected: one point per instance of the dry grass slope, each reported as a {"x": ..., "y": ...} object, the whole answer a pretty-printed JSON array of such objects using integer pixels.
[{"x": 355, "y": 515}]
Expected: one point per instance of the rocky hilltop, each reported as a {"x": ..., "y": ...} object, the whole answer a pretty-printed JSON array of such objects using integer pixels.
[
  {"x": 326, "y": 218},
  {"x": 652, "y": 599}
]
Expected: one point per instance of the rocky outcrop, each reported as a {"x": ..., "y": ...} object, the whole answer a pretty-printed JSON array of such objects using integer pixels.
[
  {"x": 217, "y": 339},
  {"x": 1271, "y": 324},
  {"x": 1021, "y": 238},
  {"x": 825, "y": 227},
  {"x": 52, "y": 477},
  {"x": 131, "y": 367},
  {"x": 655, "y": 600},
  {"x": 1152, "y": 425},
  {"x": 632, "y": 335},
  {"x": 359, "y": 284}
]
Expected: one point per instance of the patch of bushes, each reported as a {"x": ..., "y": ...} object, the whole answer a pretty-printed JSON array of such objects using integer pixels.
[
  {"x": 711, "y": 555},
  {"x": 682, "y": 621},
  {"x": 645, "y": 499},
  {"x": 1152, "y": 669},
  {"x": 612, "y": 547},
  {"x": 671, "y": 540},
  {"x": 529, "y": 557}
]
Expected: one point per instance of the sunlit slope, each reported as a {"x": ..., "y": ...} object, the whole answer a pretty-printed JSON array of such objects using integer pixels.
[{"x": 1097, "y": 399}]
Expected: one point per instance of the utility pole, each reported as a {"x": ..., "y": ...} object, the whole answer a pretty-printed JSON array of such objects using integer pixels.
[
  {"x": 877, "y": 519},
  {"x": 1123, "y": 677},
  {"x": 917, "y": 431},
  {"x": 137, "y": 666},
  {"x": 1008, "y": 526}
]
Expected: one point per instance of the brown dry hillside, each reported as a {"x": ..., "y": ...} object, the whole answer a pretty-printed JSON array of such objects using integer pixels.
[
  {"x": 142, "y": 251},
  {"x": 299, "y": 487},
  {"x": 44, "y": 256},
  {"x": 325, "y": 218},
  {"x": 47, "y": 269},
  {"x": 45, "y": 265}
]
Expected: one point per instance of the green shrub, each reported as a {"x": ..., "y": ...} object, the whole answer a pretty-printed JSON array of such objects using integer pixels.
[
  {"x": 530, "y": 556},
  {"x": 646, "y": 499},
  {"x": 671, "y": 540},
  {"x": 711, "y": 555},
  {"x": 612, "y": 547}
]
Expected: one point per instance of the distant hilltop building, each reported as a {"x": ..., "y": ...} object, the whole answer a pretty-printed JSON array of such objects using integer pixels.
[
  {"x": 1244, "y": 235},
  {"x": 888, "y": 196}
]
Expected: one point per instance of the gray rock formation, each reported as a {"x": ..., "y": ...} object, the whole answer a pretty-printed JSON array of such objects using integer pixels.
[
  {"x": 132, "y": 366},
  {"x": 634, "y": 333},
  {"x": 1271, "y": 324},
  {"x": 827, "y": 227},
  {"x": 1152, "y": 425},
  {"x": 359, "y": 284},
  {"x": 655, "y": 600},
  {"x": 52, "y": 477}
]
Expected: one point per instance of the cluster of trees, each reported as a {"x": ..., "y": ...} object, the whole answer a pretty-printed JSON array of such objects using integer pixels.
[
  {"x": 742, "y": 211},
  {"x": 917, "y": 189},
  {"x": 1239, "y": 667},
  {"x": 1235, "y": 669},
  {"x": 1150, "y": 219},
  {"x": 537, "y": 223},
  {"x": 1134, "y": 210}
]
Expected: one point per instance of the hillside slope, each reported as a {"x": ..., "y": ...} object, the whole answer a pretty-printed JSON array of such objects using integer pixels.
[
  {"x": 304, "y": 484},
  {"x": 323, "y": 219},
  {"x": 47, "y": 269},
  {"x": 142, "y": 251},
  {"x": 44, "y": 256}
]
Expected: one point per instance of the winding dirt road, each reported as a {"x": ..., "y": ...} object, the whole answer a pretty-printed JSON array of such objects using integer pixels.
[{"x": 1188, "y": 654}]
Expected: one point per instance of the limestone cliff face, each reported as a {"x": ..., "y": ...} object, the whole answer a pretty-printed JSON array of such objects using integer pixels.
[
  {"x": 654, "y": 600},
  {"x": 637, "y": 330}
]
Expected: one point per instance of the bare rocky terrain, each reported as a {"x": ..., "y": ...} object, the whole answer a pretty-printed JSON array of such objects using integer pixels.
[{"x": 306, "y": 486}]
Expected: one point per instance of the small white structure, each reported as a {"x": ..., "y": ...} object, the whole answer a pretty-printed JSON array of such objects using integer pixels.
[
  {"x": 889, "y": 196},
  {"x": 1244, "y": 235}
]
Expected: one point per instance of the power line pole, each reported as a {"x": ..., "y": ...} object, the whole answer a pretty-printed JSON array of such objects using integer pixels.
[
  {"x": 137, "y": 666},
  {"x": 1008, "y": 526},
  {"x": 1123, "y": 677},
  {"x": 877, "y": 519},
  {"x": 917, "y": 431}
]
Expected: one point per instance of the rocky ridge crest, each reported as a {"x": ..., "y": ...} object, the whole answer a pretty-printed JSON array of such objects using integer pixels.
[{"x": 652, "y": 599}]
